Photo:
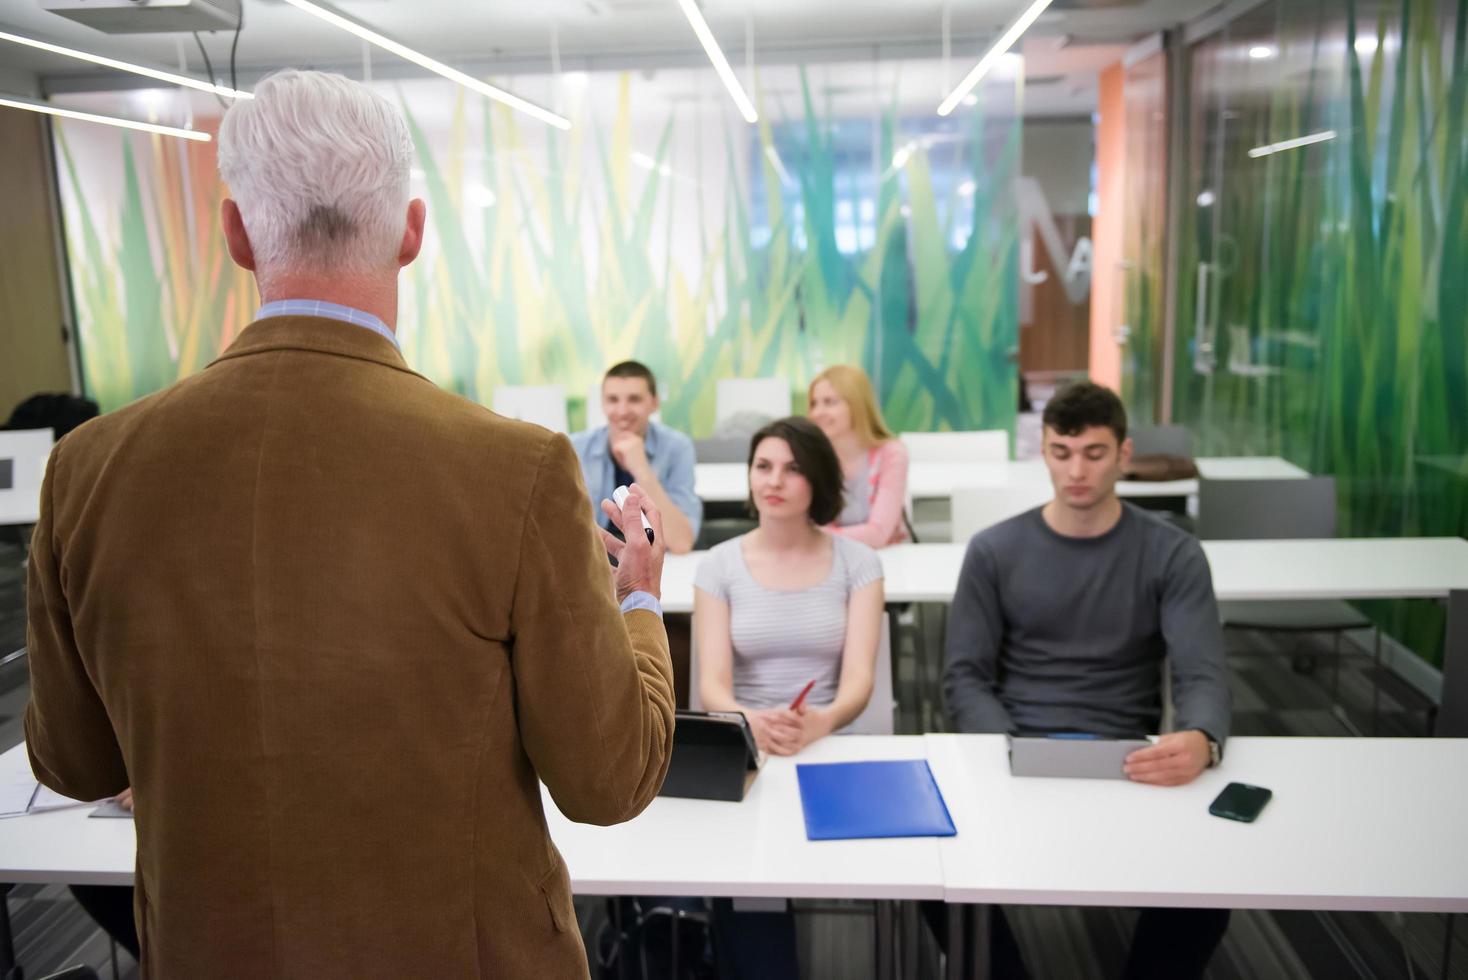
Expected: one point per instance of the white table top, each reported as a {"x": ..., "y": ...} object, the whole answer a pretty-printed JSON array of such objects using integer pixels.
[
  {"x": 1338, "y": 568},
  {"x": 1355, "y": 823},
  {"x": 725, "y": 482},
  {"x": 62, "y": 845},
  {"x": 756, "y": 848}
]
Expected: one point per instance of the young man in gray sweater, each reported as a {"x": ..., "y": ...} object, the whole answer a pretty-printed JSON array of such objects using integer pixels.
[{"x": 1062, "y": 621}]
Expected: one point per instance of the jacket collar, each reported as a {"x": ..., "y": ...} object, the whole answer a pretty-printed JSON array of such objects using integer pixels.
[{"x": 315, "y": 333}]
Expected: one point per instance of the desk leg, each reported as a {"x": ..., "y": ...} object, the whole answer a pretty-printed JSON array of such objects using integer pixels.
[
  {"x": 957, "y": 939},
  {"x": 9, "y": 969},
  {"x": 910, "y": 933},
  {"x": 968, "y": 942},
  {"x": 1452, "y": 717},
  {"x": 978, "y": 938},
  {"x": 885, "y": 953}
]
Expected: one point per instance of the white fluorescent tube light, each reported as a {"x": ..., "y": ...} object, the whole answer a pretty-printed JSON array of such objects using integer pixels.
[
  {"x": 51, "y": 110},
  {"x": 716, "y": 55},
  {"x": 1005, "y": 42},
  {"x": 367, "y": 34},
  {"x": 1268, "y": 148},
  {"x": 97, "y": 59}
]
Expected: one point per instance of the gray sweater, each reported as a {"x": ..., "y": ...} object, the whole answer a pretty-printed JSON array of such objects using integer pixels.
[{"x": 1049, "y": 633}]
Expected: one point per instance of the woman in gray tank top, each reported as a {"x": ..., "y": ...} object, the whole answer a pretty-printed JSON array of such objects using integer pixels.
[{"x": 786, "y": 605}]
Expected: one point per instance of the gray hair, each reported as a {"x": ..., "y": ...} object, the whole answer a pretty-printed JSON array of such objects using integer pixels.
[{"x": 318, "y": 165}]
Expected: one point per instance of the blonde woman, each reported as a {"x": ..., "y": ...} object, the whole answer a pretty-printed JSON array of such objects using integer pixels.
[{"x": 873, "y": 461}]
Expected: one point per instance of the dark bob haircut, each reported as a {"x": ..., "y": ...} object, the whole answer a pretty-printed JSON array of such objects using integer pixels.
[
  {"x": 1082, "y": 406},
  {"x": 817, "y": 460},
  {"x": 633, "y": 369}
]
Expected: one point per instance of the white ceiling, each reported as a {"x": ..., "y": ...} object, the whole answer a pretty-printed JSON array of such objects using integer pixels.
[{"x": 1063, "y": 51}]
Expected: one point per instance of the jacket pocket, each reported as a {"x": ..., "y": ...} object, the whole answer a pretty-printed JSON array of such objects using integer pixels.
[{"x": 555, "y": 885}]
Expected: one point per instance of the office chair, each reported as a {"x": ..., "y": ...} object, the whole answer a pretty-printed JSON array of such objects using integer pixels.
[
  {"x": 1282, "y": 509},
  {"x": 1170, "y": 440}
]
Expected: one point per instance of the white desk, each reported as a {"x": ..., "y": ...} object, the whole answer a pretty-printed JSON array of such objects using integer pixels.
[
  {"x": 1355, "y": 824},
  {"x": 62, "y": 845},
  {"x": 756, "y": 848},
  {"x": 1340, "y": 568},
  {"x": 729, "y": 482}
]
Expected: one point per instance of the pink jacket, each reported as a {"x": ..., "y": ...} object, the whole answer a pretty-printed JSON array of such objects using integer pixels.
[{"x": 887, "y": 479}]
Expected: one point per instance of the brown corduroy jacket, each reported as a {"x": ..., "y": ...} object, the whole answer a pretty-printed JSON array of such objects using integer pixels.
[{"x": 331, "y": 623}]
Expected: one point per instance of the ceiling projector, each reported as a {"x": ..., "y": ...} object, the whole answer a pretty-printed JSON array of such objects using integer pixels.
[{"x": 149, "y": 16}]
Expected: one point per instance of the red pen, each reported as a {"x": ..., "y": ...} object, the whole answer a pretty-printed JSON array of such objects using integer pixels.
[{"x": 800, "y": 698}]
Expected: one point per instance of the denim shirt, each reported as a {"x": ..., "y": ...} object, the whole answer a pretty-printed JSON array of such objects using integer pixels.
[{"x": 669, "y": 453}]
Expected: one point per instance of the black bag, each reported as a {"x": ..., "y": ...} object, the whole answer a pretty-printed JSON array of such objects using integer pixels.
[{"x": 1160, "y": 468}]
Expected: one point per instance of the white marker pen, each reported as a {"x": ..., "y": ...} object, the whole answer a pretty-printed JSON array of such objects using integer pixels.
[{"x": 619, "y": 497}]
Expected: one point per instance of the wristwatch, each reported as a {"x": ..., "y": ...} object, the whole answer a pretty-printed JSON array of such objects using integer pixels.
[{"x": 1215, "y": 754}]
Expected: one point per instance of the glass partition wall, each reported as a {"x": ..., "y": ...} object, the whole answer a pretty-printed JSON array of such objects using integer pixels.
[
  {"x": 1320, "y": 311},
  {"x": 851, "y": 225}
]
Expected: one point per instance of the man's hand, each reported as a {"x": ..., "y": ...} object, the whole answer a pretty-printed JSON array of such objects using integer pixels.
[
  {"x": 639, "y": 564},
  {"x": 778, "y": 731},
  {"x": 1175, "y": 760},
  {"x": 630, "y": 451},
  {"x": 125, "y": 799}
]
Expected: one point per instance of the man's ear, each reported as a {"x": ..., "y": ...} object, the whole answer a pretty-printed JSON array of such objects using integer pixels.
[
  {"x": 236, "y": 239},
  {"x": 1124, "y": 454},
  {"x": 413, "y": 233}
]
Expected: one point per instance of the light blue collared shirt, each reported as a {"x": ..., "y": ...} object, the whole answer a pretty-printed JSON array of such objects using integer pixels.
[
  {"x": 669, "y": 452},
  {"x": 332, "y": 311},
  {"x": 642, "y": 600}
]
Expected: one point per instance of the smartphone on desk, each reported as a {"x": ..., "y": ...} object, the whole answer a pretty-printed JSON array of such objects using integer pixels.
[{"x": 1240, "y": 801}]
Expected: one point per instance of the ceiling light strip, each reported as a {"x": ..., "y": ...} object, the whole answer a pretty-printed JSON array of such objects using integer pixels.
[
  {"x": 720, "y": 63},
  {"x": 1268, "y": 148},
  {"x": 1006, "y": 41},
  {"x": 144, "y": 70},
  {"x": 51, "y": 110},
  {"x": 339, "y": 20}
]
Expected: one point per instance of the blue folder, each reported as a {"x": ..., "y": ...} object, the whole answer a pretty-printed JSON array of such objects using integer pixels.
[{"x": 847, "y": 800}]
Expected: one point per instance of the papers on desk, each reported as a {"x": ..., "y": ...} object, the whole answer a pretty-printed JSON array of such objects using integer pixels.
[
  {"x": 21, "y": 793},
  {"x": 18, "y": 799}
]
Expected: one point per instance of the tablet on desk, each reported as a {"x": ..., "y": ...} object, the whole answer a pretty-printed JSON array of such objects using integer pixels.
[
  {"x": 1071, "y": 755},
  {"x": 715, "y": 756}
]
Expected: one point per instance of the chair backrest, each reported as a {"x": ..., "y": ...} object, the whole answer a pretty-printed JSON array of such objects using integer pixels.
[
  {"x": 23, "y": 455},
  {"x": 542, "y": 404},
  {"x": 769, "y": 397},
  {"x": 1261, "y": 509},
  {"x": 595, "y": 417},
  {"x": 976, "y": 508},
  {"x": 981, "y": 446},
  {"x": 721, "y": 450},
  {"x": 1174, "y": 440},
  {"x": 878, "y": 718}
]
